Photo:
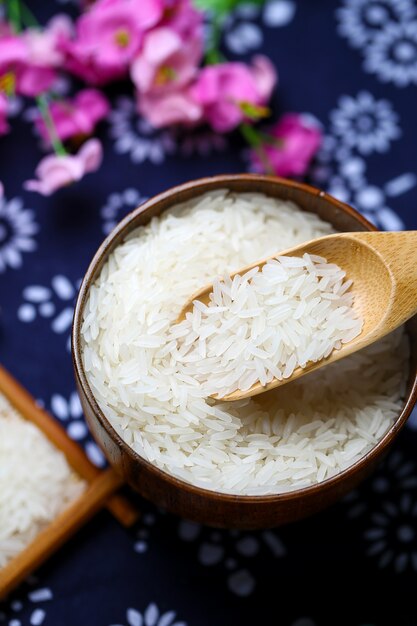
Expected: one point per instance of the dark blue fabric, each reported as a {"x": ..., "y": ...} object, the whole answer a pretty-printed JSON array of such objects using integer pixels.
[{"x": 354, "y": 564}]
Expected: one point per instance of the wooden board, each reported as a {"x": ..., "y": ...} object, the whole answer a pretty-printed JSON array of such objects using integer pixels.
[{"x": 100, "y": 491}]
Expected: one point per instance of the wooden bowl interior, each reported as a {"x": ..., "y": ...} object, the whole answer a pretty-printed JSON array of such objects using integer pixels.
[{"x": 210, "y": 507}]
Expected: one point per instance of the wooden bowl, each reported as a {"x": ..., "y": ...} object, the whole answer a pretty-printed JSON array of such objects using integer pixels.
[{"x": 180, "y": 497}]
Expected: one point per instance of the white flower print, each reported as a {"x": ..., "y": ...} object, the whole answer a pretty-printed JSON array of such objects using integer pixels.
[
  {"x": 133, "y": 135},
  {"x": 392, "y": 537},
  {"x": 360, "y": 20},
  {"x": 70, "y": 413},
  {"x": 396, "y": 473},
  {"x": 233, "y": 550},
  {"x": 142, "y": 536},
  {"x": 349, "y": 185},
  {"x": 243, "y": 35},
  {"x": 200, "y": 141},
  {"x": 392, "y": 54},
  {"x": 340, "y": 167},
  {"x": 369, "y": 200},
  {"x": 344, "y": 176},
  {"x": 17, "y": 230},
  {"x": 364, "y": 123},
  {"x": 14, "y": 106},
  {"x": 278, "y": 13},
  {"x": 30, "y": 597},
  {"x": 152, "y": 616},
  {"x": 118, "y": 205},
  {"x": 55, "y": 303}
]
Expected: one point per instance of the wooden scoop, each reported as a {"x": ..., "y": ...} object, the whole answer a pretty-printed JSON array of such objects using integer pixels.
[{"x": 383, "y": 267}]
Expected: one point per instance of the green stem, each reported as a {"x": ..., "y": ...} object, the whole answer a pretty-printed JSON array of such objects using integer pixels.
[
  {"x": 254, "y": 138},
  {"x": 251, "y": 135},
  {"x": 17, "y": 13},
  {"x": 213, "y": 54},
  {"x": 13, "y": 12},
  {"x": 56, "y": 143},
  {"x": 28, "y": 17}
]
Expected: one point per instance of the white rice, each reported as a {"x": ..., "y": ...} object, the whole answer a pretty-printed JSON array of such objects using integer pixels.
[
  {"x": 36, "y": 482},
  {"x": 265, "y": 323},
  {"x": 288, "y": 438}
]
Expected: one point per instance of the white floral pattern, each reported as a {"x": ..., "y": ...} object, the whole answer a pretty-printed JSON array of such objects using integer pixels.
[
  {"x": 142, "y": 535},
  {"x": 242, "y": 31},
  {"x": 360, "y": 20},
  {"x": 200, "y": 142},
  {"x": 386, "y": 33},
  {"x": 348, "y": 186},
  {"x": 397, "y": 473},
  {"x": 361, "y": 126},
  {"x": 366, "y": 160},
  {"x": 118, "y": 205},
  {"x": 17, "y": 230},
  {"x": 70, "y": 413},
  {"x": 364, "y": 123},
  {"x": 132, "y": 135},
  {"x": 30, "y": 598},
  {"x": 392, "y": 54},
  {"x": 54, "y": 302},
  {"x": 232, "y": 550},
  {"x": 14, "y": 106},
  {"x": 151, "y": 616},
  {"x": 135, "y": 137},
  {"x": 392, "y": 536}
]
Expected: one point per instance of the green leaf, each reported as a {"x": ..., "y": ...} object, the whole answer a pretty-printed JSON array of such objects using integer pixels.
[
  {"x": 13, "y": 13},
  {"x": 223, "y": 7},
  {"x": 254, "y": 111},
  {"x": 8, "y": 83},
  {"x": 28, "y": 19},
  {"x": 214, "y": 6}
]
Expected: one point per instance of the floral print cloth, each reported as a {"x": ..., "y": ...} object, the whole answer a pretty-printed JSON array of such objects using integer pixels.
[{"x": 352, "y": 64}]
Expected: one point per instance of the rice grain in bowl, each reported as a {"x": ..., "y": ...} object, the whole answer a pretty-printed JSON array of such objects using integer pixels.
[{"x": 258, "y": 462}]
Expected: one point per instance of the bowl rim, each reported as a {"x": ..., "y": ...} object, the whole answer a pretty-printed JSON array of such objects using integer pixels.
[{"x": 117, "y": 235}]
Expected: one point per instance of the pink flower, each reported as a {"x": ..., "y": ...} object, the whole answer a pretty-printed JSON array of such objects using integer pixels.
[
  {"x": 148, "y": 12},
  {"x": 34, "y": 80},
  {"x": 25, "y": 75},
  {"x": 78, "y": 116},
  {"x": 166, "y": 61},
  {"x": 5, "y": 29},
  {"x": 265, "y": 77},
  {"x": 225, "y": 91},
  {"x": 177, "y": 107},
  {"x": 108, "y": 36},
  {"x": 45, "y": 45},
  {"x": 183, "y": 17},
  {"x": 297, "y": 141},
  {"x": 163, "y": 72},
  {"x": 55, "y": 171},
  {"x": 4, "y": 127}
]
